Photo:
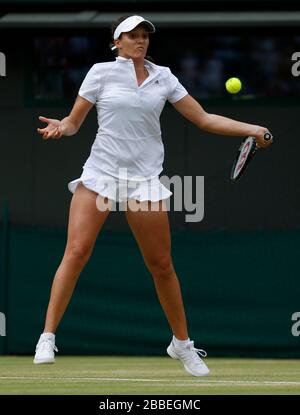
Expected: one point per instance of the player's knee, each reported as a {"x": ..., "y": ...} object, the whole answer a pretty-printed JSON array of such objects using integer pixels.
[
  {"x": 78, "y": 252},
  {"x": 161, "y": 267}
]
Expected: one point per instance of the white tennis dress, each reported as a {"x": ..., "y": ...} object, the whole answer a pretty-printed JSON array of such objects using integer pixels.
[{"x": 127, "y": 155}]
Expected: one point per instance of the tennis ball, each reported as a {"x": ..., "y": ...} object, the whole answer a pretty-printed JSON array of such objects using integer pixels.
[{"x": 233, "y": 85}]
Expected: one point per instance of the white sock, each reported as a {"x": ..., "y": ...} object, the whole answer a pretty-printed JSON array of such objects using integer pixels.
[
  {"x": 180, "y": 342},
  {"x": 48, "y": 336}
]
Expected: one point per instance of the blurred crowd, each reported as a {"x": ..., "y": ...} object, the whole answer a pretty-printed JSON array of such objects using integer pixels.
[
  {"x": 263, "y": 63},
  {"x": 61, "y": 63}
]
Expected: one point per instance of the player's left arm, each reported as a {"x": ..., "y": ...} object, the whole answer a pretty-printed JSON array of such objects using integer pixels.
[{"x": 217, "y": 124}]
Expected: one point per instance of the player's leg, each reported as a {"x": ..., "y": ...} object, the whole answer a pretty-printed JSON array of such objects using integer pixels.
[
  {"x": 85, "y": 222},
  {"x": 152, "y": 233}
]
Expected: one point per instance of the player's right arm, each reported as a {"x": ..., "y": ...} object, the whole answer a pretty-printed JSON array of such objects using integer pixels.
[{"x": 68, "y": 125}]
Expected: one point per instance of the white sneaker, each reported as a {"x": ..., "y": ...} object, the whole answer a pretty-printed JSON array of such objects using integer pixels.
[
  {"x": 188, "y": 355},
  {"x": 44, "y": 351}
]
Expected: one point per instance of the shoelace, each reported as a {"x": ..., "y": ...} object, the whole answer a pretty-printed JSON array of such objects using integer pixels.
[
  {"x": 46, "y": 343},
  {"x": 193, "y": 357}
]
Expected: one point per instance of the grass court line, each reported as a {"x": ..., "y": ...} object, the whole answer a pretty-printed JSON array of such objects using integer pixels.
[{"x": 206, "y": 382}]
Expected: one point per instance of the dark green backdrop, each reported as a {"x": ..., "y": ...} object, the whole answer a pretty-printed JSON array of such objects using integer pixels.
[{"x": 240, "y": 290}]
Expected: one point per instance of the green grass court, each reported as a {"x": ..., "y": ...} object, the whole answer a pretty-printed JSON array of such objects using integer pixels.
[{"x": 84, "y": 375}]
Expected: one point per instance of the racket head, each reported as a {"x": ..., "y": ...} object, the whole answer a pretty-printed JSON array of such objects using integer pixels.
[{"x": 245, "y": 153}]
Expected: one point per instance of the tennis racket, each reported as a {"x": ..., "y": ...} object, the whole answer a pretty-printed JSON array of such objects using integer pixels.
[{"x": 245, "y": 154}]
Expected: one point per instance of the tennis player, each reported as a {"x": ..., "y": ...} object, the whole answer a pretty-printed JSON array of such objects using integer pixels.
[{"x": 129, "y": 94}]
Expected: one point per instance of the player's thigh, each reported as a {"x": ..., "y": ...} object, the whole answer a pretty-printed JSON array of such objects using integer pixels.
[
  {"x": 152, "y": 232},
  {"x": 85, "y": 219}
]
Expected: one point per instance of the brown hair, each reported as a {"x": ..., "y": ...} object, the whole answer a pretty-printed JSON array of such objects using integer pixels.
[{"x": 113, "y": 28}]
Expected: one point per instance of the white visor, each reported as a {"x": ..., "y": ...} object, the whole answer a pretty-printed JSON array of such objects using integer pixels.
[{"x": 130, "y": 23}]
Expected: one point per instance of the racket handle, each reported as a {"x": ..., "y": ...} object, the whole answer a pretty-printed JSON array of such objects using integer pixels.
[{"x": 268, "y": 136}]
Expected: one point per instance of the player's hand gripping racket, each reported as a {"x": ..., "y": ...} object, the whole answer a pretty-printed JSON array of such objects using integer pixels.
[{"x": 246, "y": 152}]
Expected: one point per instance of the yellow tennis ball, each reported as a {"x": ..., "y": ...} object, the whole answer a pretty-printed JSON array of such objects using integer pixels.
[{"x": 233, "y": 85}]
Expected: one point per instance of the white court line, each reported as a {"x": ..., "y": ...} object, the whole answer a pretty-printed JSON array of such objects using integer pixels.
[{"x": 231, "y": 382}]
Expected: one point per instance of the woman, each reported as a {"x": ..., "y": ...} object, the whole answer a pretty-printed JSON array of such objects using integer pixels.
[{"x": 129, "y": 94}]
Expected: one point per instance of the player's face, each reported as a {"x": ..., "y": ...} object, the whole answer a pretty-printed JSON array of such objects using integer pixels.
[{"x": 133, "y": 44}]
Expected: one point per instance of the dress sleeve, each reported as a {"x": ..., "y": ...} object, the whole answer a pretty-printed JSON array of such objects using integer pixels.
[
  {"x": 176, "y": 91},
  {"x": 90, "y": 85}
]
